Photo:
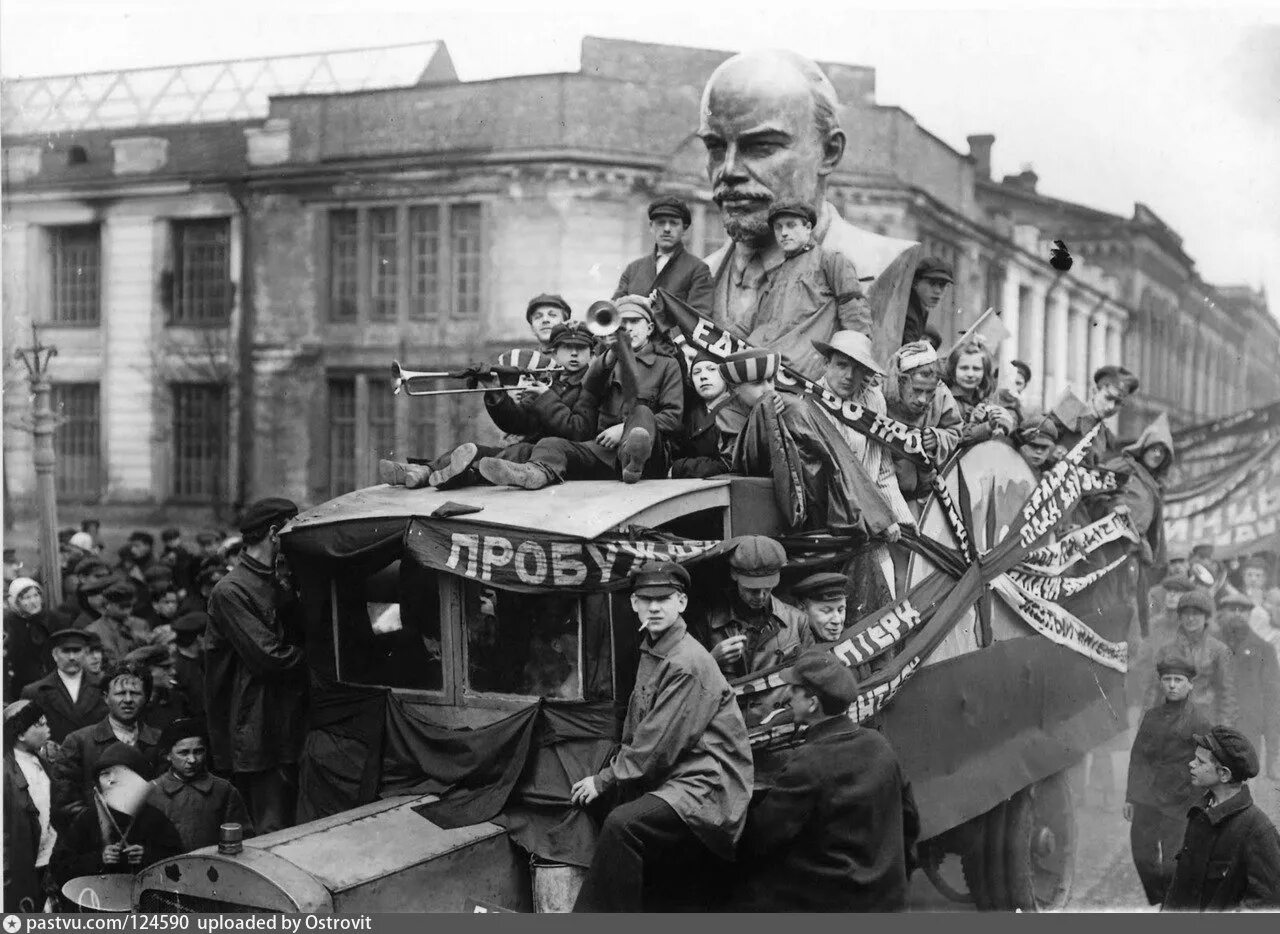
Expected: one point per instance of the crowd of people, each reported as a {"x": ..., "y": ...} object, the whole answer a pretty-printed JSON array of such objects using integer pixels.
[{"x": 185, "y": 670}]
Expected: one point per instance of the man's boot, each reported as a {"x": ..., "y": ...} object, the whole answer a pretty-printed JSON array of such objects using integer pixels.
[
  {"x": 634, "y": 452},
  {"x": 458, "y": 471},
  {"x": 504, "y": 473},
  {"x": 397, "y": 473}
]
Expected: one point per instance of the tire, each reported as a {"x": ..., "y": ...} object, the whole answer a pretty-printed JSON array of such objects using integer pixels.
[
  {"x": 973, "y": 862},
  {"x": 994, "y": 859},
  {"x": 1040, "y": 833},
  {"x": 945, "y": 888}
]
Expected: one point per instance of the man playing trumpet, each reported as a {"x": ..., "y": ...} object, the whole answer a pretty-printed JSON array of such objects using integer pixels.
[{"x": 640, "y": 398}]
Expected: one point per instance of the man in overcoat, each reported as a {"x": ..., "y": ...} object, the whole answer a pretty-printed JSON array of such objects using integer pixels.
[
  {"x": 669, "y": 265},
  {"x": 68, "y": 696},
  {"x": 255, "y": 680}
]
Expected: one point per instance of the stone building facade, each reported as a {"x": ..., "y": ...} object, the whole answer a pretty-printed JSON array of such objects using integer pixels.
[{"x": 413, "y": 222}]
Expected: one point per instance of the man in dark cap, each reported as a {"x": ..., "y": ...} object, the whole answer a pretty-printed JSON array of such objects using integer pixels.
[
  {"x": 837, "y": 829},
  {"x": 824, "y": 599},
  {"x": 933, "y": 276},
  {"x": 1214, "y": 687},
  {"x": 255, "y": 680},
  {"x": 188, "y": 659},
  {"x": 1230, "y": 857},
  {"x": 69, "y": 697},
  {"x": 811, "y": 295},
  {"x": 1113, "y": 385},
  {"x": 89, "y": 595},
  {"x": 127, "y": 688},
  {"x": 120, "y": 631},
  {"x": 195, "y": 802},
  {"x": 669, "y": 265},
  {"x": 748, "y": 629},
  {"x": 1159, "y": 790},
  {"x": 1256, "y": 672},
  {"x": 684, "y": 771}
]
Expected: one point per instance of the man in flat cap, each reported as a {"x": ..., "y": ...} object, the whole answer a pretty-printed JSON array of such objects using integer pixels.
[
  {"x": 120, "y": 631},
  {"x": 669, "y": 266},
  {"x": 1159, "y": 790},
  {"x": 1112, "y": 388},
  {"x": 1256, "y": 672},
  {"x": 255, "y": 679},
  {"x": 1230, "y": 856},
  {"x": 683, "y": 774},
  {"x": 1214, "y": 686},
  {"x": 836, "y": 830},
  {"x": 824, "y": 598},
  {"x": 188, "y": 659},
  {"x": 68, "y": 696}
]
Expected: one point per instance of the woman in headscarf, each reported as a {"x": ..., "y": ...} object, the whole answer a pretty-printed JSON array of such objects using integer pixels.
[
  {"x": 26, "y": 636},
  {"x": 970, "y": 374}
]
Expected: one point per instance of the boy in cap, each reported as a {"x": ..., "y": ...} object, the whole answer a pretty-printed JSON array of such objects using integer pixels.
[
  {"x": 1230, "y": 857},
  {"x": 194, "y": 801},
  {"x": 255, "y": 679},
  {"x": 640, "y": 399},
  {"x": 1256, "y": 672},
  {"x": 117, "y": 831},
  {"x": 836, "y": 830},
  {"x": 683, "y": 771},
  {"x": 932, "y": 278},
  {"x": 915, "y": 395},
  {"x": 1159, "y": 790},
  {"x": 68, "y": 695},
  {"x": 811, "y": 295},
  {"x": 713, "y": 419},
  {"x": 1112, "y": 387},
  {"x": 127, "y": 689},
  {"x": 28, "y": 834},
  {"x": 560, "y": 408},
  {"x": 669, "y": 265},
  {"x": 1214, "y": 688}
]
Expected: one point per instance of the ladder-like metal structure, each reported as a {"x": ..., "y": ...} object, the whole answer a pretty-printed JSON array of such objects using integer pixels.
[{"x": 205, "y": 92}]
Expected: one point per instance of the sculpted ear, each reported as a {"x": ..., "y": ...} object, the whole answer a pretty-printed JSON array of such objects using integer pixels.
[{"x": 832, "y": 151}]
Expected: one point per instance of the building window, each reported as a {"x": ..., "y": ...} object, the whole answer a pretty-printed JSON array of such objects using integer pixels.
[
  {"x": 77, "y": 441},
  {"x": 342, "y": 435},
  {"x": 199, "y": 442},
  {"x": 76, "y": 266},
  {"x": 400, "y": 263},
  {"x": 201, "y": 290}
]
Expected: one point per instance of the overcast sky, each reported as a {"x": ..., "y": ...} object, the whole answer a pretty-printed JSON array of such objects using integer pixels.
[{"x": 1177, "y": 107}]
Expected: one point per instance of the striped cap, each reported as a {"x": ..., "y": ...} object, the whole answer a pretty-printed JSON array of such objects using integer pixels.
[
  {"x": 525, "y": 360},
  {"x": 750, "y": 366}
]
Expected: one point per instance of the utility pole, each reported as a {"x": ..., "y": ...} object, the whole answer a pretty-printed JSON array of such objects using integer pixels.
[{"x": 43, "y": 421}]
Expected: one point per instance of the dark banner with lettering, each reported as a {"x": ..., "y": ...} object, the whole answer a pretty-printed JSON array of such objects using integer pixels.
[
  {"x": 1224, "y": 489},
  {"x": 527, "y": 561}
]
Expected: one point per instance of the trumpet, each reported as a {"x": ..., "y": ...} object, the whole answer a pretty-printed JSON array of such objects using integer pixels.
[
  {"x": 404, "y": 379},
  {"x": 603, "y": 319}
]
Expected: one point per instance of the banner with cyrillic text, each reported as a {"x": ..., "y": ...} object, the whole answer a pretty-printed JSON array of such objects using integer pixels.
[
  {"x": 1060, "y": 626},
  {"x": 1053, "y": 560},
  {"x": 526, "y": 561}
]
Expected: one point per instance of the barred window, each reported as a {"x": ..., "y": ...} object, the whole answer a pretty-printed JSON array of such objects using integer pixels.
[
  {"x": 384, "y": 273},
  {"x": 76, "y": 268},
  {"x": 400, "y": 263},
  {"x": 201, "y": 272},
  {"x": 200, "y": 419},
  {"x": 77, "y": 440},
  {"x": 344, "y": 261},
  {"x": 342, "y": 435}
]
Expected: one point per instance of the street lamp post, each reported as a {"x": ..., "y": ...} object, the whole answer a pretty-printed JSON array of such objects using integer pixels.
[{"x": 43, "y": 421}]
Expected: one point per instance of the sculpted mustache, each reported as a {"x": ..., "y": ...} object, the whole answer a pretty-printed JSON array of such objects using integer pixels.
[{"x": 721, "y": 195}]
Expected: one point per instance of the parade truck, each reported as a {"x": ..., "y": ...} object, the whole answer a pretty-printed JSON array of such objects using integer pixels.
[{"x": 471, "y": 654}]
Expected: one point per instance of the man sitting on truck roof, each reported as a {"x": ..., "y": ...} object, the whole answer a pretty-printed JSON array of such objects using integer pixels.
[
  {"x": 641, "y": 405},
  {"x": 684, "y": 771}
]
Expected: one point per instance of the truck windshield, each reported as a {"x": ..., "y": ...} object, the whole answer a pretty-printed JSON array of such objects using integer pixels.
[
  {"x": 522, "y": 644},
  {"x": 390, "y": 630}
]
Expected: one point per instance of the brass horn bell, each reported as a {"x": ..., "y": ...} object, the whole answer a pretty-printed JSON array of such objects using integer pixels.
[{"x": 603, "y": 318}]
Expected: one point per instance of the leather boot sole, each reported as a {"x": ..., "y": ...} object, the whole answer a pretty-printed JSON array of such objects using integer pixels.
[
  {"x": 634, "y": 453},
  {"x": 504, "y": 473},
  {"x": 450, "y": 476},
  {"x": 392, "y": 472}
]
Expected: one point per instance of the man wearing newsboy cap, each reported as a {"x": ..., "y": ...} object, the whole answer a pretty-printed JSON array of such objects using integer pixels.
[
  {"x": 835, "y": 830},
  {"x": 684, "y": 771},
  {"x": 255, "y": 679},
  {"x": 669, "y": 265},
  {"x": 1230, "y": 857}
]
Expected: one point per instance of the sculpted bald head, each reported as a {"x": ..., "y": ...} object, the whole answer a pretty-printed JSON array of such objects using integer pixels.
[{"x": 770, "y": 123}]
